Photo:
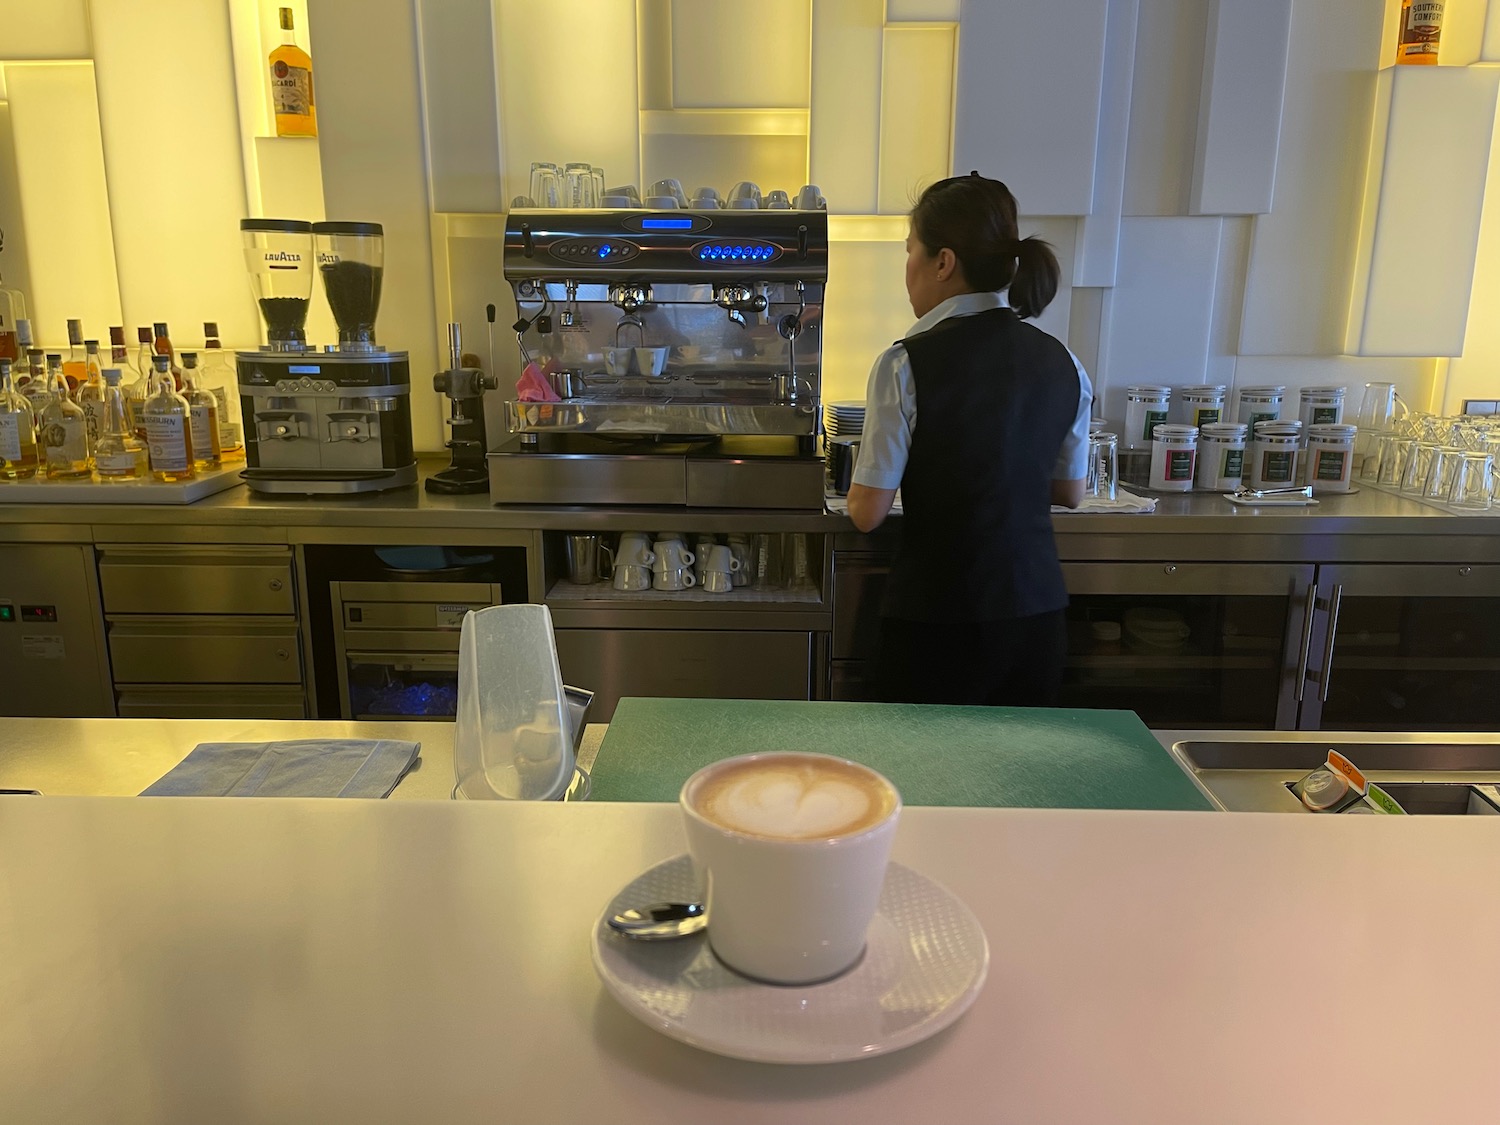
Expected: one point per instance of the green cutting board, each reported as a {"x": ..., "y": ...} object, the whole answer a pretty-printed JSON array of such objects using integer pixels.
[{"x": 990, "y": 756}]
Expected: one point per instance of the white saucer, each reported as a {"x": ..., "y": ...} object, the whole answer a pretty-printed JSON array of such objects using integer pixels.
[
  {"x": 1271, "y": 501},
  {"x": 923, "y": 966}
]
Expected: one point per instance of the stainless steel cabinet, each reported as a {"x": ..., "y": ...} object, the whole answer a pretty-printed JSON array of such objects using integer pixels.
[{"x": 52, "y": 655}]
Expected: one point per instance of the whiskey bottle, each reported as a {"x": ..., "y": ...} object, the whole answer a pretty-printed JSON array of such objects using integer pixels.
[
  {"x": 142, "y": 388},
  {"x": 35, "y": 386},
  {"x": 117, "y": 455},
  {"x": 292, "y": 85},
  {"x": 169, "y": 439},
  {"x": 90, "y": 392},
  {"x": 17, "y": 430},
  {"x": 162, "y": 345},
  {"x": 62, "y": 430},
  {"x": 203, "y": 416},
  {"x": 75, "y": 367},
  {"x": 220, "y": 379},
  {"x": 12, "y": 312}
]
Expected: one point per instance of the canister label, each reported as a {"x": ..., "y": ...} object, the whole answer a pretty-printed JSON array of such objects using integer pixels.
[
  {"x": 1206, "y": 415},
  {"x": 1263, "y": 417},
  {"x": 1330, "y": 464},
  {"x": 1234, "y": 463},
  {"x": 1154, "y": 418},
  {"x": 167, "y": 441},
  {"x": 1325, "y": 415},
  {"x": 1276, "y": 466},
  {"x": 1180, "y": 464}
]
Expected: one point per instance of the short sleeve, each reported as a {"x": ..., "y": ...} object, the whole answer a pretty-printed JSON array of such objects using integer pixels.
[
  {"x": 890, "y": 414},
  {"x": 1073, "y": 458}
]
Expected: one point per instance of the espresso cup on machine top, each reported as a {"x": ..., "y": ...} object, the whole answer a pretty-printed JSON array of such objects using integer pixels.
[{"x": 791, "y": 849}]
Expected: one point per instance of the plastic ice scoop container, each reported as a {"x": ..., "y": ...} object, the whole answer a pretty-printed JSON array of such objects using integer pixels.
[{"x": 512, "y": 737}]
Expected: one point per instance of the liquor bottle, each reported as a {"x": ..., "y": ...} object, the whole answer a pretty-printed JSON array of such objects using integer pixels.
[
  {"x": 17, "y": 430},
  {"x": 117, "y": 455},
  {"x": 220, "y": 379},
  {"x": 21, "y": 367},
  {"x": 62, "y": 428},
  {"x": 169, "y": 438},
  {"x": 90, "y": 392},
  {"x": 137, "y": 392},
  {"x": 203, "y": 416},
  {"x": 75, "y": 367},
  {"x": 35, "y": 387},
  {"x": 1421, "y": 27},
  {"x": 292, "y": 85},
  {"x": 12, "y": 312},
  {"x": 162, "y": 345}
]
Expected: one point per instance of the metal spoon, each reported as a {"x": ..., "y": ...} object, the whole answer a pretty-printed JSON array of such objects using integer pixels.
[{"x": 660, "y": 921}]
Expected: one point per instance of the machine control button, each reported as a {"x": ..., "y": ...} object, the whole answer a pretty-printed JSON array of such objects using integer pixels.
[
  {"x": 7, "y": 613},
  {"x": 36, "y": 614}
]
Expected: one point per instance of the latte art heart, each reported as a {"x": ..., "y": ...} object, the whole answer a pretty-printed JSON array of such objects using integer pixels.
[{"x": 803, "y": 797}]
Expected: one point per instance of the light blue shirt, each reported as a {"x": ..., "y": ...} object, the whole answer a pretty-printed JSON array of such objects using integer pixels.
[{"x": 891, "y": 405}]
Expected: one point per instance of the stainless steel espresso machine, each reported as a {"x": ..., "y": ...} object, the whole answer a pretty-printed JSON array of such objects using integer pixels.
[
  {"x": 686, "y": 349},
  {"x": 330, "y": 421}
]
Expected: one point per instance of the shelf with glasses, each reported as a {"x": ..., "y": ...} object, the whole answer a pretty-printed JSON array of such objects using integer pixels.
[{"x": 603, "y": 594}]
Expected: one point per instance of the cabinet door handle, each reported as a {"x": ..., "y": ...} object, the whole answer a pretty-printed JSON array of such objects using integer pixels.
[
  {"x": 1333, "y": 628},
  {"x": 1307, "y": 630},
  {"x": 283, "y": 654}
]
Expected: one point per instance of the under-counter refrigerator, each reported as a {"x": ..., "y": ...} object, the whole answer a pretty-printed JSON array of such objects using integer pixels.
[{"x": 52, "y": 651}]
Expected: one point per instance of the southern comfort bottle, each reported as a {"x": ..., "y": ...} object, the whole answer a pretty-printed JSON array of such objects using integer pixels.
[{"x": 1421, "y": 26}]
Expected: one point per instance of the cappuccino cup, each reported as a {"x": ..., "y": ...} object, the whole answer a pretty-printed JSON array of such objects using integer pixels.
[
  {"x": 791, "y": 849},
  {"x": 672, "y": 555},
  {"x": 629, "y": 576},
  {"x": 682, "y": 579},
  {"x": 635, "y": 549}
]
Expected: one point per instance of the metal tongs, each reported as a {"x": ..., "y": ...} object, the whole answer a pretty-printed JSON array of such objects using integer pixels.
[{"x": 1243, "y": 493}]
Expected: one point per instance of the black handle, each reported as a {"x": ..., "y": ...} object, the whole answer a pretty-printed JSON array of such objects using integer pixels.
[
  {"x": 526, "y": 246},
  {"x": 802, "y": 242}
]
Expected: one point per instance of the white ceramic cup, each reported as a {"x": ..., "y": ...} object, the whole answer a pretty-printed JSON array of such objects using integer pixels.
[
  {"x": 739, "y": 546},
  {"x": 809, "y": 198},
  {"x": 629, "y": 576},
  {"x": 791, "y": 851},
  {"x": 634, "y": 550},
  {"x": 721, "y": 558},
  {"x": 672, "y": 555},
  {"x": 702, "y": 548},
  {"x": 682, "y": 579}
]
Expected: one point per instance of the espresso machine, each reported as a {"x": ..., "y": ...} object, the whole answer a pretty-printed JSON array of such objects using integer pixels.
[
  {"x": 686, "y": 350},
  {"x": 331, "y": 421}
]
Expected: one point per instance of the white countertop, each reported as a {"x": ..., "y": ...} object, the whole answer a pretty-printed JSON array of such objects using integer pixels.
[{"x": 184, "y": 960}]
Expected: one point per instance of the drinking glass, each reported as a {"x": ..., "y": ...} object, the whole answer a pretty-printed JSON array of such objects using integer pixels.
[
  {"x": 578, "y": 185},
  {"x": 1393, "y": 459},
  {"x": 1418, "y": 463},
  {"x": 1441, "y": 472},
  {"x": 598, "y": 174},
  {"x": 1104, "y": 466},
  {"x": 1382, "y": 450},
  {"x": 546, "y": 184},
  {"x": 1473, "y": 483}
]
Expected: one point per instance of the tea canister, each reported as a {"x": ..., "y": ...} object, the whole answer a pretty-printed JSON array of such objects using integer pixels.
[
  {"x": 1260, "y": 404},
  {"x": 1221, "y": 456},
  {"x": 1174, "y": 455},
  {"x": 1200, "y": 406},
  {"x": 1146, "y": 407},
  {"x": 1273, "y": 454},
  {"x": 1330, "y": 457},
  {"x": 1320, "y": 406}
]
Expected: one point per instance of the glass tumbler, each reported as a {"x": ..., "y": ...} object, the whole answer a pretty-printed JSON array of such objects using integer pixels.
[
  {"x": 546, "y": 184},
  {"x": 1393, "y": 458},
  {"x": 1473, "y": 483},
  {"x": 1418, "y": 464},
  {"x": 578, "y": 185},
  {"x": 1441, "y": 473},
  {"x": 598, "y": 174},
  {"x": 1104, "y": 466}
]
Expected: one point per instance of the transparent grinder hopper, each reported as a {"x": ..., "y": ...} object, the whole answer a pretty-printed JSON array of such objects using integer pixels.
[
  {"x": 279, "y": 259},
  {"x": 351, "y": 261}
]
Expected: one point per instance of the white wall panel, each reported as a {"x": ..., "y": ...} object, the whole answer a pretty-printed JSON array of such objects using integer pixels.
[
  {"x": 916, "y": 113},
  {"x": 1164, "y": 99},
  {"x": 1302, "y": 253},
  {"x": 1239, "y": 114},
  {"x": 374, "y": 170},
  {"x": 1476, "y": 374},
  {"x": 1029, "y": 82},
  {"x": 64, "y": 198},
  {"x": 733, "y": 55},
  {"x": 921, "y": 11},
  {"x": 1099, "y": 232},
  {"x": 44, "y": 29},
  {"x": 173, "y": 154},
  {"x": 1424, "y": 193},
  {"x": 459, "y": 92},
  {"x": 844, "y": 135},
  {"x": 1489, "y": 49},
  {"x": 1156, "y": 320},
  {"x": 583, "y": 108},
  {"x": 13, "y": 266}
]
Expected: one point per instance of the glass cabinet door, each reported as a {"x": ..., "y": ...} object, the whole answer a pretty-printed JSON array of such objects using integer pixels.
[
  {"x": 1405, "y": 647},
  {"x": 1187, "y": 644}
]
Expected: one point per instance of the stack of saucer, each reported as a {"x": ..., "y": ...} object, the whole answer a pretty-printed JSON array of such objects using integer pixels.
[{"x": 844, "y": 419}]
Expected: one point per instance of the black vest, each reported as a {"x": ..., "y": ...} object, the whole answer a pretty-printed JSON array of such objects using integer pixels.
[{"x": 995, "y": 399}]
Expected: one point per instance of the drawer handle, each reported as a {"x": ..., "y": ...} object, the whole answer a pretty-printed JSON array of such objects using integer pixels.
[
  {"x": 275, "y": 583},
  {"x": 1465, "y": 571},
  {"x": 283, "y": 654},
  {"x": 1170, "y": 568}
]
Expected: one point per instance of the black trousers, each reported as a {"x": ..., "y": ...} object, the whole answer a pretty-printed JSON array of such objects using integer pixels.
[{"x": 1013, "y": 663}]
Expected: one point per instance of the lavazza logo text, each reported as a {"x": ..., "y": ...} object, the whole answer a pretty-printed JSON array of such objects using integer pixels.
[{"x": 283, "y": 256}]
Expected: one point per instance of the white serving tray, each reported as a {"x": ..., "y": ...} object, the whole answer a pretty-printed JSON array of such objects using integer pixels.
[{"x": 119, "y": 492}]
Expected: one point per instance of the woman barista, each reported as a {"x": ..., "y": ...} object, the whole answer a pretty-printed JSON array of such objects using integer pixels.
[{"x": 982, "y": 421}]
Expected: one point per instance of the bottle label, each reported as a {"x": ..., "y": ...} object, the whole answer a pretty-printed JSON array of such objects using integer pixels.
[
  {"x": 291, "y": 89},
  {"x": 1421, "y": 28},
  {"x": 205, "y": 427},
  {"x": 10, "y": 437},
  {"x": 67, "y": 440},
  {"x": 93, "y": 417},
  {"x": 167, "y": 442},
  {"x": 119, "y": 463}
]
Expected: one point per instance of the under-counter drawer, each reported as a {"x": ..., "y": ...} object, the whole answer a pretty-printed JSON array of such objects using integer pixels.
[
  {"x": 216, "y": 701},
  {"x": 858, "y": 587},
  {"x": 249, "y": 579},
  {"x": 182, "y": 651}
]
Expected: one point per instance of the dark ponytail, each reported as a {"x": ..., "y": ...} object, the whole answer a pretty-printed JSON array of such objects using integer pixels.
[{"x": 975, "y": 217}]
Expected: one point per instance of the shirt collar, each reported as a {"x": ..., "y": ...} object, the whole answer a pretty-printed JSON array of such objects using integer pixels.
[{"x": 965, "y": 304}]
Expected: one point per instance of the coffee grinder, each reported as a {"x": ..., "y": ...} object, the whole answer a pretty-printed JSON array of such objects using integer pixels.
[
  {"x": 465, "y": 387},
  {"x": 331, "y": 421}
]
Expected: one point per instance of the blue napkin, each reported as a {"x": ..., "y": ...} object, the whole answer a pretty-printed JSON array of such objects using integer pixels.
[{"x": 308, "y": 767}]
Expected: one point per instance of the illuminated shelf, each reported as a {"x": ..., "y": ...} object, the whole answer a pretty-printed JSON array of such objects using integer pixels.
[{"x": 725, "y": 122}]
